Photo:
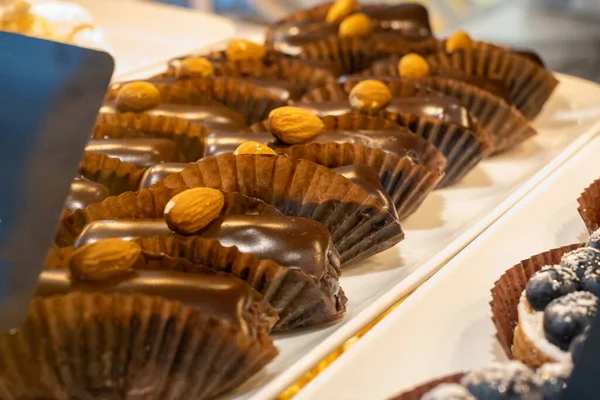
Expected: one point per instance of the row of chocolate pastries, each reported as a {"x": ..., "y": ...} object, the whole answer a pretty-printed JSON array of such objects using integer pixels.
[
  {"x": 350, "y": 37},
  {"x": 542, "y": 308}
]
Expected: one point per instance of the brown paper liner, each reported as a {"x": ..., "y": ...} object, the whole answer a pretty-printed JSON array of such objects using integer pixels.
[
  {"x": 120, "y": 346},
  {"x": 147, "y": 204},
  {"x": 530, "y": 85},
  {"x": 189, "y": 137},
  {"x": 116, "y": 175},
  {"x": 358, "y": 224},
  {"x": 348, "y": 55},
  {"x": 418, "y": 392},
  {"x": 254, "y": 102},
  {"x": 463, "y": 148},
  {"x": 506, "y": 294},
  {"x": 589, "y": 206},
  {"x": 504, "y": 124},
  {"x": 407, "y": 183}
]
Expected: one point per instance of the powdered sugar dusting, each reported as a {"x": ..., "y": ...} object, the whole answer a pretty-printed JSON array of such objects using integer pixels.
[
  {"x": 564, "y": 274},
  {"x": 448, "y": 391},
  {"x": 572, "y": 304},
  {"x": 579, "y": 259},
  {"x": 513, "y": 373},
  {"x": 550, "y": 371},
  {"x": 595, "y": 237}
]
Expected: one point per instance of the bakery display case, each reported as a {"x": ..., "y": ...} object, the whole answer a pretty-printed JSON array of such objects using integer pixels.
[{"x": 254, "y": 219}]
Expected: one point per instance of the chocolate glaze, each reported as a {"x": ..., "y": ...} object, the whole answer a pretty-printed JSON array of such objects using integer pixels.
[
  {"x": 123, "y": 228},
  {"x": 209, "y": 113},
  {"x": 225, "y": 297},
  {"x": 394, "y": 141},
  {"x": 368, "y": 179},
  {"x": 298, "y": 243},
  {"x": 407, "y": 20},
  {"x": 83, "y": 193},
  {"x": 141, "y": 152},
  {"x": 445, "y": 108},
  {"x": 494, "y": 86},
  {"x": 158, "y": 172}
]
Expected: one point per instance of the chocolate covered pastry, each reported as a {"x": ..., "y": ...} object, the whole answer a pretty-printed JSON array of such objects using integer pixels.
[
  {"x": 275, "y": 255},
  {"x": 405, "y": 22},
  {"x": 142, "y": 153},
  {"x": 358, "y": 224},
  {"x": 147, "y": 204},
  {"x": 217, "y": 102},
  {"x": 460, "y": 102},
  {"x": 286, "y": 77},
  {"x": 166, "y": 323}
]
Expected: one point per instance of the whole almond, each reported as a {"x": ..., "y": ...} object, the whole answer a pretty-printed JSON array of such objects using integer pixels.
[
  {"x": 193, "y": 209},
  {"x": 413, "y": 66},
  {"x": 195, "y": 66},
  {"x": 356, "y": 25},
  {"x": 104, "y": 259},
  {"x": 137, "y": 97},
  {"x": 370, "y": 95},
  {"x": 240, "y": 50},
  {"x": 253, "y": 148},
  {"x": 340, "y": 10},
  {"x": 460, "y": 40},
  {"x": 293, "y": 125}
]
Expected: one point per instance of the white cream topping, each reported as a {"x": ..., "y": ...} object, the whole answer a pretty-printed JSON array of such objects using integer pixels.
[
  {"x": 532, "y": 324},
  {"x": 448, "y": 391}
]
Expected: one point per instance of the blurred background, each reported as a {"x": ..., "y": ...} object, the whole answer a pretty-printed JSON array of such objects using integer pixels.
[{"x": 565, "y": 32}]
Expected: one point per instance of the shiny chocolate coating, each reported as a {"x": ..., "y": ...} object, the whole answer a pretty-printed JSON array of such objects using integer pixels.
[
  {"x": 285, "y": 89},
  {"x": 444, "y": 108},
  {"x": 158, "y": 172},
  {"x": 368, "y": 179},
  {"x": 299, "y": 243},
  {"x": 83, "y": 193},
  {"x": 126, "y": 229},
  {"x": 225, "y": 297},
  {"x": 393, "y": 141},
  {"x": 210, "y": 113},
  {"x": 143, "y": 153},
  {"x": 407, "y": 20}
]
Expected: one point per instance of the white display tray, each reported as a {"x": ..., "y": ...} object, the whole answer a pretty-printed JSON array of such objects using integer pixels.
[
  {"x": 143, "y": 34},
  {"x": 448, "y": 221},
  {"x": 445, "y": 326}
]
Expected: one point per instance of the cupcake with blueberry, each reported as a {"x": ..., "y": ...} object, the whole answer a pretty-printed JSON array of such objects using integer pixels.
[
  {"x": 499, "y": 381},
  {"x": 557, "y": 302}
]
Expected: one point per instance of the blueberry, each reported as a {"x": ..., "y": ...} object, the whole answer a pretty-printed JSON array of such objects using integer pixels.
[
  {"x": 590, "y": 282},
  {"x": 503, "y": 381},
  {"x": 448, "y": 391},
  {"x": 567, "y": 317},
  {"x": 594, "y": 241},
  {"x": 553, "y": 379},
  {"x": 577, "y": 344},
  {"x": 581, "y": 260},
  {"x": 549, "y": 283}
]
